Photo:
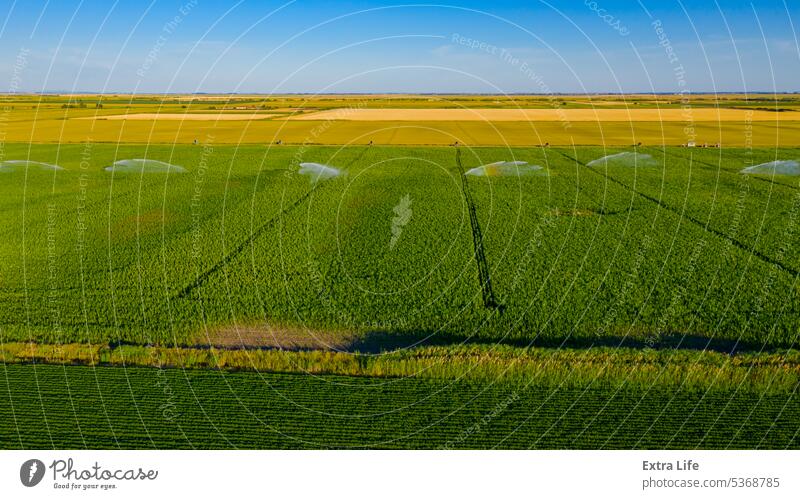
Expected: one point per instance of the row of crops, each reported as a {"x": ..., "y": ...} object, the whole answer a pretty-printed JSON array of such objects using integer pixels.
[
  {"x": 79, "y": 407},
  {"x": 687, "y": 252}
]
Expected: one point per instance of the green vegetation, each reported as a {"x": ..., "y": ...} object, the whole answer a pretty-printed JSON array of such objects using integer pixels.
[
  {"x": 664, "y": 296},
  {"x": 78, "y": 407},
  {"x": 682, "y": 254}
]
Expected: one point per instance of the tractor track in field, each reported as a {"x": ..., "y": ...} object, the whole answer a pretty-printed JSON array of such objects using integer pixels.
[
  {"x": 765, "y": 258},
  {"x": 484, "y": 276},
  {"x": 269, "y": 224},
  {"x": 200, "y": 279},
  {"x": 717, "y": 167}
]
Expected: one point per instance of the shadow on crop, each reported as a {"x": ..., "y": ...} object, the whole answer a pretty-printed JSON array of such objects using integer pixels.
[{"x": 386, "y": 341}]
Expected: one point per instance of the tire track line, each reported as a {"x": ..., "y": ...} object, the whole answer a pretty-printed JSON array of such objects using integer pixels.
[
  {"x": 765, "y": 258},
  {"x": 269, "y": 224},
  {"x": 199, "y": 280}
]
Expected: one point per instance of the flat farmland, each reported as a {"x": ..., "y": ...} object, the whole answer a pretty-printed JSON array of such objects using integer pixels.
[
  {"x": 518, "y": 120},
  {"x": 400, "y": 245},
  {"x": 113, "y": 408},
  {"x": 585, "y": 304},
  {"x": 378, "y": 226},
  {"x": 183, "y": 117},
  {"x": 404, "y": 133},
  {"x": 566, "y": 115}
]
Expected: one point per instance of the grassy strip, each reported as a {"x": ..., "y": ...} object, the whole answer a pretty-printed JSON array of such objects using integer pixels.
[{"x": 606, "y": 367}]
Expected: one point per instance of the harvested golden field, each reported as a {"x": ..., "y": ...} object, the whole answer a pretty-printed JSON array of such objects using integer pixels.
[
  {"x": 405, "y": 120},
  {"x": 568, "y": 115},
  {"x": 472, "y": 133},
  {"x": 182, "y": 117}
]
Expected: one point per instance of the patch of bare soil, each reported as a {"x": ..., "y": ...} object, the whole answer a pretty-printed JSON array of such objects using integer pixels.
[{"x": 278, "y": 337}]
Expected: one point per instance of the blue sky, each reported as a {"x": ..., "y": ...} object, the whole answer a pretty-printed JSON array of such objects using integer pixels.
[{"x": 373, "y": 46}]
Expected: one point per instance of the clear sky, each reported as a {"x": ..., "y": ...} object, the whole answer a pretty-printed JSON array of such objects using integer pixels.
[{"x": 161, "y": 46}]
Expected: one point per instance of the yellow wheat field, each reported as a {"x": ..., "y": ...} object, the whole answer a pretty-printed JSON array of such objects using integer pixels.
[
  {"x": 569, "y": 115},
  {"x": 182, "y": 117}
]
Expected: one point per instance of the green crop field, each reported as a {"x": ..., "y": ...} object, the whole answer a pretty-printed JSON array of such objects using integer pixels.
[
  {"x": 175, "y": 409},
  {"x": 674, "y": 281},
  {"x": 680, "y": 250}
]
